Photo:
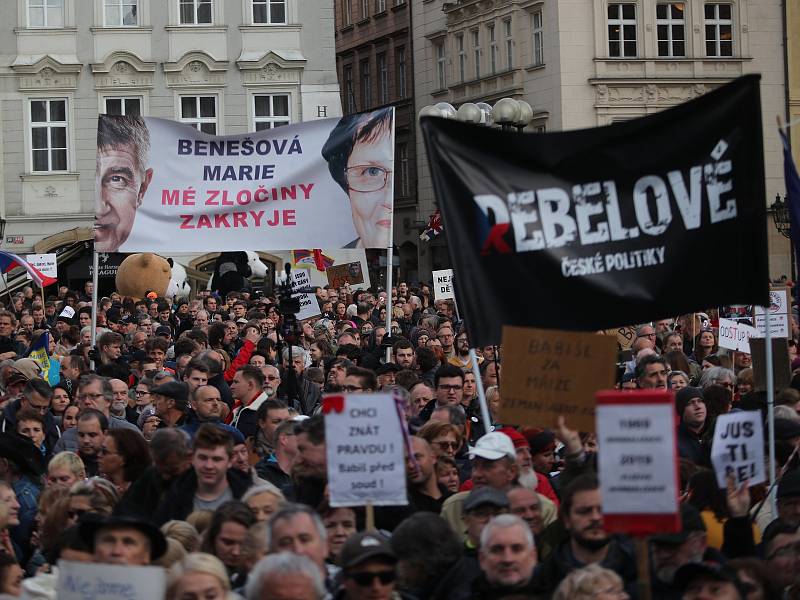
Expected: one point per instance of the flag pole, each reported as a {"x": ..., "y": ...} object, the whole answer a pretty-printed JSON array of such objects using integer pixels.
[
  {"x": 390, "y": 251},
  {"x": 770, "y": 402},
  {"x": 95, "y": 267}
]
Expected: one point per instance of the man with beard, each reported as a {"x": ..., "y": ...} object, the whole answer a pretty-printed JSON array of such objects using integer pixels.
[
  {"x": 588, "y": 543},
  {"x": 269, "y": 415},
  {"x": 461, "y": 358},
  {"x": 336, "y": 375}
]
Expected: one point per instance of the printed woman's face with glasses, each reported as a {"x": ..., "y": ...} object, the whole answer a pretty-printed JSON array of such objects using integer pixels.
[{"x": 369, "y": 185}]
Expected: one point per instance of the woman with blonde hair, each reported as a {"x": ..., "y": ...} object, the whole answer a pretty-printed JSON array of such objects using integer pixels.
[
  {"x": 183, "y": 532},
  {"x": 65, "y": 468},
  {"x": 264, "y": 500},
  {"x": 592, "y": 582},
  {"x": 199, "y": 575},
  {"x": 95, "y": 495}
]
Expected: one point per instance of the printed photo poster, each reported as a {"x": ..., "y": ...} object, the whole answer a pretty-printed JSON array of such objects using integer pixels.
[
  {"x": 163, "y": 186},
  {"x": 349, "y": 273}
]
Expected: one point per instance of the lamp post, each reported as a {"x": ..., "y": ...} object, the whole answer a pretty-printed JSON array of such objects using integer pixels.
[{"x": 783, "y": 223}]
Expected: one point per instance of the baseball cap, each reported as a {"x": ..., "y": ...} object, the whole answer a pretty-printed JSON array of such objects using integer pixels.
[
  {"x": 485, "y": 495},
  {"x": 164, "y": 330},
  {"x": 689, "y": 572},
  {"x": 540, "y": 440},
  {"x": 691, "y": 521},
  {"x": 242, "y": 321},
  {"x": 493, "y": 446},
  {"x": 517, "y": 438},
  {"x": 363, "y": 546}
]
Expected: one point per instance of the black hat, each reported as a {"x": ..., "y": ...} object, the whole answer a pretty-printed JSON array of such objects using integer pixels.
[
  {"x": 786, "y": 429},
  {"x": 175, "y": 390},
  {"x": 164, "y": 330},
  {"x": 789, "y": 484},
  {"x": 388, "y": 368},
  {"x": 113, "y": 315},
  {"x": 485, "y": 495},
  {"x": 691, "y": 521},
  {"x": 22, "y": 452},
  {"x": 363, "y": 546},
  {"x": 91, "y": 524},
  {"x": 684, "y": 395},
  {"x": 689, "y": 572}
]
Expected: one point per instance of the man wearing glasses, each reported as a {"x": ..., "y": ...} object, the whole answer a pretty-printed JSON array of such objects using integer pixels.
[
  {"x": 360, "y": 155},
  {"x": 368, "y": 564}
]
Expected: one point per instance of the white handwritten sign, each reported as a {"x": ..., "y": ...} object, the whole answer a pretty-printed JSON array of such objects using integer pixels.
[
  {"x": 778, "y": 315},
  {"x": 735, "y": 336},
  {"x": 738, "y": 448},
  {"x": 309, "y": 307},
  {"x": 443, "y": 284},
  {"x": 46, "y": 263},
  {"x": 364, "y": 443},
  {"x": 90, "y": 581}
]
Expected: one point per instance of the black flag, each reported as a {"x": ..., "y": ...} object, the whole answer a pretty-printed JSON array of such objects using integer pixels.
[{"x": 589, "y": 229}]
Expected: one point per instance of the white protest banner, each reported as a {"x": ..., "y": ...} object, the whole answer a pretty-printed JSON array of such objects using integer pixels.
[
  {"x": 638, "y": 465},
  {"x": 778, "y": 314},
  {"x": 443, "y": 284},
  {"x": 91, "y": 581},
  {"x": 46, "y": 263},
  {"x": 325, "y": 183},
  {"x": 735, "y": 336},
  {"x": 365, "y": 449},
  {"x": 738, "y": 448},
  {"x": 309, "y": 306}
]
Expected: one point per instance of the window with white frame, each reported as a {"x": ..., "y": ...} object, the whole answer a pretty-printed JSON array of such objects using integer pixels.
[
  {"x": 622, "y": 30},
  {"x": 45, "y": 13},
  {"x": 380, "y": 6},
  {"x": 383, "y": 78},
  {"x": 366, "y": 84},
  {"x": 508, "y": 31},
  {"x": 493, "y": 49},
  {"x": 195, "y": 12},
  {"x": 399, "y": 2},
  {"x": 200, "y": 112},
  {"x": 671, "y": 29},
  {"x": 271, "y": 111},
  {"x": 441, "y": 65},
  {"x": 719, "y": 29},
  {"x": 537, "y": 38},
  {"x": 120, "y": 13},
  {"x": 401, "y": 72},
  {"x": 476, "y": 51},
  {"x": 48, "y": 135},
  {"x": 462, "y": 57},
  {"x": 405, "y": 178},
  {"x": 349, "y": 91},
  {"x": 347, "y": 9},
  {"x": 269, "y": 12},
  {"x": 364, "y": 9},
  {"x": 123, "y": 105}
]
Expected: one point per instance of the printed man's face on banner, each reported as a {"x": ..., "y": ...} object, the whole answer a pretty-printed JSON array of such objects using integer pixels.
[
  {"x": 121, "y": 184},
  {"x": 369, "y": 172}
]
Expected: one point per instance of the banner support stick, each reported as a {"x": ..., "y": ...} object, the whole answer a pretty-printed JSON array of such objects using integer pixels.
[
  {"x": 95, "y": 268},
  {"x": 770, "y": 402},
  {"x": 643, "y": 567},
  {"x": 390, "y": 252},
  {"x": 370, "y": 520}
]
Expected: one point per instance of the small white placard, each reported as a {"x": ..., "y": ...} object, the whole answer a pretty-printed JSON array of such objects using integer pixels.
[
  {"x": 46, "y": 263},
  {"x": 735, "y": 336},
  {"x": 365, "y": 450},
  {"x": 778, "y": 315},
  {"x": 92, "y": 581},
  {"x": 309, "y": 306},
  {"x": 738, "y": 448},
  {"x": 443, "y": 284}
]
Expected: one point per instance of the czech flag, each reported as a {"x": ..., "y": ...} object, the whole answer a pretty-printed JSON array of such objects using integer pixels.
[{"x": 9, "y": 261}]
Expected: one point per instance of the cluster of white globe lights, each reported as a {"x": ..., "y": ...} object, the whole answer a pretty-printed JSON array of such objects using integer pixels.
[{"x": 506, "y": 113}]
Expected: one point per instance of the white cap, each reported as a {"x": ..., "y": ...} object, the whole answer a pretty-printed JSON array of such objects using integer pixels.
[{"x": 493, "y": 446}]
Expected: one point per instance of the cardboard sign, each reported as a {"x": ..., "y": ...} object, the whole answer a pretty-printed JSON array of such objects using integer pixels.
[
  {"x": 90, "y": 581},
  {"x": 638, "y": 465},
  {"x": 735, "y": 336},
  {"x": 778, "y": 314},
  {"x": 340, "y": 275},
  {"x": 780, "y": 363},
  {"x": 548, "y": 373},
  {"x": 46, "y": 263},
  {"x": 738, "y": 448},
  {"x": 365, "y": 450},
  {"x": 309, "y": 306},
  {"x": 443, "y": 285}
]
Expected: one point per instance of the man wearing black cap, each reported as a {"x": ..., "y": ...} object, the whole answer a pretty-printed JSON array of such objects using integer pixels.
[
  {"x": 123, "y": 540},
  {"x": 170, "y": 400},
  {"x": 789, "y": 498},
  {"x": 385, "y": 374},
  {"x": 368, "y": 568},
  {"x": 691, "y": 408},
  {"x": 701, "y": 581}
]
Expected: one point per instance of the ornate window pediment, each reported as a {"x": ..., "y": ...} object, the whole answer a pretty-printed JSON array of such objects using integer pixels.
[
  {"x": 47, "y": 72},
  {"x": 271, "y": 67},
  {"x": 196, "y": 69},
  {"x": 123, "y": 70}
]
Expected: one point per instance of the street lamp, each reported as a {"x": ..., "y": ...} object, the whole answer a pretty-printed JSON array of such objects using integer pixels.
[
  {"x": 783, "y": 223},
  {"x": 506, "y": 112}
]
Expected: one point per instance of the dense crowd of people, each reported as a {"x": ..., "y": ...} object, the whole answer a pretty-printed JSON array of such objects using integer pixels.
[{"x": 190, "y": 436}]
